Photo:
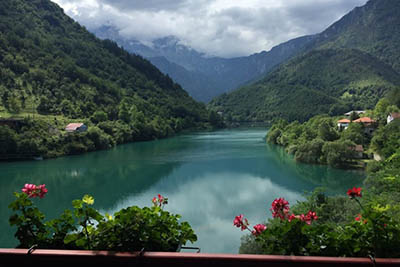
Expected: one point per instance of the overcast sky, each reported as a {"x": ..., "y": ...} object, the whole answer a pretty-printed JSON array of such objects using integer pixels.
[{"x": 224, "y": 28}]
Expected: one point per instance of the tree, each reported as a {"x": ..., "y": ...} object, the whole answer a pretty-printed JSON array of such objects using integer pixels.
[
  {"x": 8, "y": 141},
  {"x": 123, "y": 113},
  {"x": 14, "y": 104},
  {"x": 354, "y": 133},
  {"x": 354, "y": 116},
  {"x": 326, "y": 132},
  {"x": 338, "y": 153},
  {"x": 99, "y": 116}
]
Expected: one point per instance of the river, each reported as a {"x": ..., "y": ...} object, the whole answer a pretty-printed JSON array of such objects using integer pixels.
[{"x": 209, "y": 177}]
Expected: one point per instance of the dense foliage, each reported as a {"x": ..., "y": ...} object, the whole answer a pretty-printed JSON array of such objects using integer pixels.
[
  {"x": 369, "y": 226},
  {"x": 350, "y": 65},
  {"x": 319, "y": 140},
  {"x": 130, "y": 229},
  {"x": 372, "y": 28},
  {"x": 374, "y": 231},
  {"x": 51, "y": 65},
  {"x": 320, "y": 82}
]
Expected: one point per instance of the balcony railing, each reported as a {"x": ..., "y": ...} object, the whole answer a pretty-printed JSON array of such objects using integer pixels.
[{"x": 57, "y": 258}]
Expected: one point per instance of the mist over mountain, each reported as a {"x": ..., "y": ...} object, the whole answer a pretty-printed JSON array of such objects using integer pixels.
[
  {"x": 204, "y": 76},
  {"x": 348, "y": 66}
]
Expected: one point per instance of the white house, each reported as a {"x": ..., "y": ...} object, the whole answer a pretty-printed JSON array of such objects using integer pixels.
[
  {"x": 358, "y": 112},
  {"x": 393, "y": 116},
  {"x": 343, "y": 124}
]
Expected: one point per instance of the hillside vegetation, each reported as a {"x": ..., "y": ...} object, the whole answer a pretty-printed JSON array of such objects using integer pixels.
[
  {"x": 321, "y": 81},
  {"x": 348, "y": 66},
  {"x": 51, "y": 65},
  {"x": 364, "y": 223}
]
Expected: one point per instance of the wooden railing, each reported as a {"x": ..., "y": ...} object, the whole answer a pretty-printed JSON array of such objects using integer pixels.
[{"x": 57, "y": 258}]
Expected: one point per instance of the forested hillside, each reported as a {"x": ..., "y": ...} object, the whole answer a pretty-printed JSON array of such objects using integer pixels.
[
  {"x": 373, "y": 28},
  {"x": 321, "y": 81},
  {"x": 51, "y": 65},
  {"x": 349, "y": 66}
]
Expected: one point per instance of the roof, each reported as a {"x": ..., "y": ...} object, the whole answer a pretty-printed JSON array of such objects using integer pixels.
[
  {"x": 73, "y": 126},
  {"x": 365, "y": 120},
  {"x": 344, "y": 121},
  {"x": 359, "y": 148},
  {"x": 395, "y": 115},
  {"x": 355, "y": 111}
]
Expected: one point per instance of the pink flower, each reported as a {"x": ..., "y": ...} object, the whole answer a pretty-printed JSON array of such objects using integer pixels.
[
  {"x": 239, "y": 222},
  {"x": 280, "y": 208},
  {"x": 258, "y": 229},
  {"x": 35, "y": 191},
  {"x": 309, "y": 218},
  {"x": 159, "y": 200},
  {"x": 292, "y": 217},
  {"x": 42, "y": 190}
]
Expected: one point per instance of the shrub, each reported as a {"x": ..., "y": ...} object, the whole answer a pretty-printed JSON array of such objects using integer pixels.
[
  {"x": 373, "y": 232},
  {"x": 130, "y": 229}
]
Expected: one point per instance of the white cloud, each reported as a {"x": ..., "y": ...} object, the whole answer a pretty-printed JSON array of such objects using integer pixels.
[
  {"x": 218, "y": 27},
  {"x": 203, "y": 202}
]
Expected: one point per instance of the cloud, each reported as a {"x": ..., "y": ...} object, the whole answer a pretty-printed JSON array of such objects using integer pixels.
[
  {"x": 216, "y": 27},
  {"x": 213, "y": 214}
]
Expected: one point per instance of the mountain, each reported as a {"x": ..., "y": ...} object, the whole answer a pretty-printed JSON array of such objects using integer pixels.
[
  {"x": 373, "y": 28},
  {"x": 348, "y": 66},
  {"x": 205, "y": 77},
  {"x": 51, "y": 65}
]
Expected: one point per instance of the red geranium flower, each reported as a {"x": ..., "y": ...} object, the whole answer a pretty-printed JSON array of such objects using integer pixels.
[
  {"x": 35, "y": 190},
  {"x": 280, "y": 208},
  {"x": 354, "y": 192},
  {"x": 239, "y": 222},
  {"x": 258, "y": 229}
]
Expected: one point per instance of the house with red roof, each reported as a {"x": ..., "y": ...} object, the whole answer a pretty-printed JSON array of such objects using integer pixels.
[
  {"x": 343, "y": 124},
  {"x": 393, "y": 116},
  {"x": 369, "y": 124},
  {"x": 76, "y": 127}
]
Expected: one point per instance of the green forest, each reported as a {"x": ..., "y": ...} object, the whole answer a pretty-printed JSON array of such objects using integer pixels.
[
  {"x": 53, "y": 72},
  {"x": 364, "y": 223},
  {"x": 349, "y": 66}
]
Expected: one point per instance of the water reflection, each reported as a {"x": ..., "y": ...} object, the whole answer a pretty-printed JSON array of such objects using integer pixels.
[
  {"x": 210, "y": 201},
  {"x": 208, "y": 177}
]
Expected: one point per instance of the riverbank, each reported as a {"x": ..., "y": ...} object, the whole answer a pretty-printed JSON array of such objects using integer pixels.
[
  {"x": 319, "y": 141},
  {"x": 33, "y": 136}
]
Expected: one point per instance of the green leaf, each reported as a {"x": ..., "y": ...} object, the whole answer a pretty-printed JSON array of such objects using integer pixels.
[
  {"x": 70, "y": 238},
  {"x": 77, "y": 204}
]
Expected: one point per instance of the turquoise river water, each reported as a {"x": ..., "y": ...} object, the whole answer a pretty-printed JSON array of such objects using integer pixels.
[{"x": 209, "y": 177}]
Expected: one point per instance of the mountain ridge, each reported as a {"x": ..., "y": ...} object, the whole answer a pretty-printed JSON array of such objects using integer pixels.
[
  {"x": 222, "y": 74},
  {"x": 342, "y": 37}
]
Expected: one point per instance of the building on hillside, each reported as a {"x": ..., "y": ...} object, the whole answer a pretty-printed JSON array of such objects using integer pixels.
[
  {"x": 369, "y": 124},
  {"x": 358, "y": 151},
  {"x": 393, "y": 116},
  {"x": 343, "y": 124},
  {"x": 76, "y": 127},
  {"x": 358, "y": 112}
]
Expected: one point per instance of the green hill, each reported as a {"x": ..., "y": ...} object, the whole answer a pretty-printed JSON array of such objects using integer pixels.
[
  {"x": 373, "y": 28},
  {"x": 51, "y": 65},
  {"x": 321, "y": 81},
  {"x": 348, "y": 66}
]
